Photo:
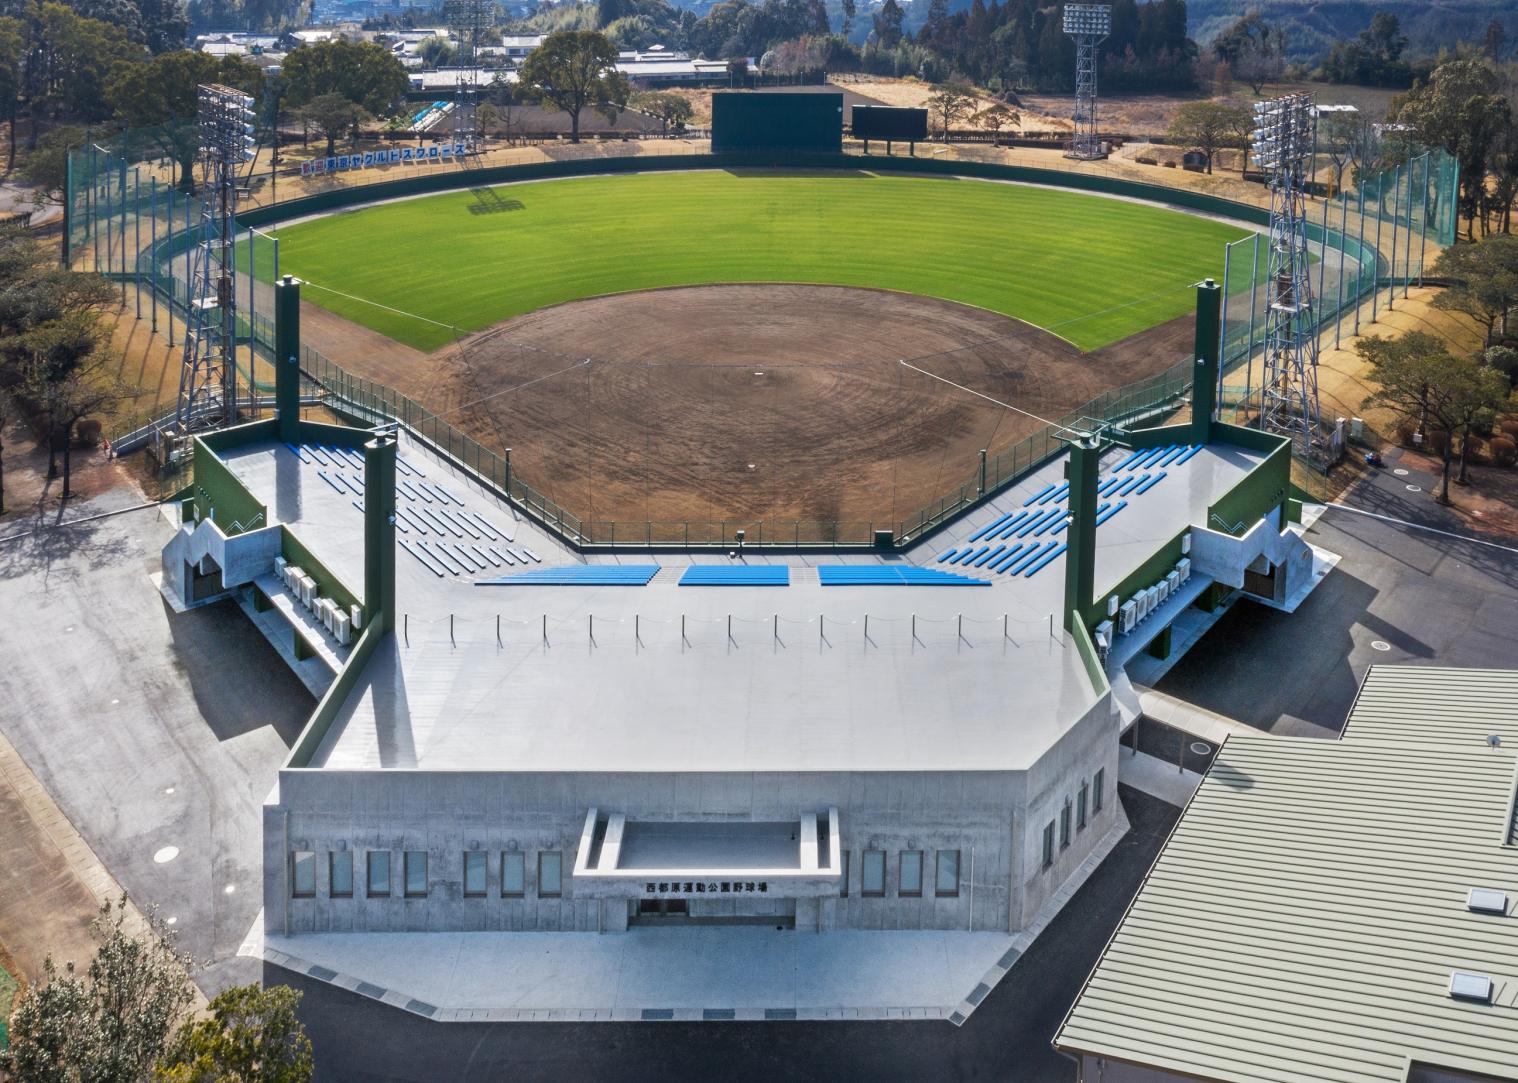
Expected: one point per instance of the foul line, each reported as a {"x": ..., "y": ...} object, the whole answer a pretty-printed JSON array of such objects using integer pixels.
[
  {"x": 1420, "y": 526},
  {"x": 376, "y": 304},
  {"x": 988, "y": 398}
]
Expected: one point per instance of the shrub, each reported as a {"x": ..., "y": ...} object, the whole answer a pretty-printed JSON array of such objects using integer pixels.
[
  {"x": 1504, "y": 450},
  {"x": 1436, "y": 442},
  {"x": 1509, "y": 427},
  {"x": 1474, "y": 446}
]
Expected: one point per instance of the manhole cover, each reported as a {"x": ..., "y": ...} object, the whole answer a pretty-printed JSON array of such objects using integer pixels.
[
  {"x": 1415, "y": 488},
  {"x": 1400, "y": 472},
  {"x": 1201, "y": 749},
  {"x": 1380, "y": 645}
]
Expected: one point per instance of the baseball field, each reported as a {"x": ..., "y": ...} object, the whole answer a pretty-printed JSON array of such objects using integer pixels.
[{"x": 425, "y": 271}]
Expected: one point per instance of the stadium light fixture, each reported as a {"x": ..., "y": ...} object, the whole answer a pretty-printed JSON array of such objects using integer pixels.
[{"x": 1088, "y": 24}]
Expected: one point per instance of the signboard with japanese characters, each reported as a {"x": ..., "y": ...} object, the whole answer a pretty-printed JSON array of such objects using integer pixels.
[{"x": 395, "y": 155}]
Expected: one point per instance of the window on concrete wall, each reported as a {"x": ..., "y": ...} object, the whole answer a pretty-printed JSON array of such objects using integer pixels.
[
  {"x": 474, "y": 874},
  {"x": 910, "y": 882},
  {"x": 513, "y": 874},
  {"x": 946, "y": 883},
  {"x": 1064, "y": 825},
  {"x": 416, "y": 873},
  {"x": 379, "y": 872},
  {"x": 843, "y": 878},
  {"x": 1097, "y": 785},
  {"x": 340, "y": 873},
  {"x": 1048, "y": 844},
  {"x": 872, "y": 873},
  {"x": 303, "y": 874},
  {"x": 550, "y": 869},
  {"x": 1080, "y": 807}
]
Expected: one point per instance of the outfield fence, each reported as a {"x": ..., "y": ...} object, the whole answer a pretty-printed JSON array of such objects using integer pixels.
[{"x": 125, "y": 219}]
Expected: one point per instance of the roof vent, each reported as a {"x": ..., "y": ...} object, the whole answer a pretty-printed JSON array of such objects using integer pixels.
[
  {"x": 1464, "y": 985},
  {"x": 1487, "y": 900}
]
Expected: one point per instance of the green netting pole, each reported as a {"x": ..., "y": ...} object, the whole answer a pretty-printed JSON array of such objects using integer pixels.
[
  {"x": 121, "y": 232},
  {"x": 153, "y": 258},
  {"x": 1375, "y": 281},
  {"x": 1254, "y": 288},
  {"x": 136, "y": 243},
  {"x": 1322, "y": 263},
  {"x": 252, "y": 384},
  {"x": 1391, "y": 292},
  {"x": 169, "y": 237},
  {"x": 68, "y": 204},
  {"x": 1423, "y": 222},
  {"x": 1360, "y": 259},
  {"x": 1223, "y": 319},
  {"x": 1339, "y": 285}
]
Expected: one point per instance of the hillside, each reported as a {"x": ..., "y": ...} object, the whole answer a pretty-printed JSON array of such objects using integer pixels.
[{"x": 1313, "y": 27}]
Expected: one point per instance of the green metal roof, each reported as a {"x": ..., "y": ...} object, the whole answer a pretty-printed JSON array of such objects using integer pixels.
[{"x": 1304, "y": 918}]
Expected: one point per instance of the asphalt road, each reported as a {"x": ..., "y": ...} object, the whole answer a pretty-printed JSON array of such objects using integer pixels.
[
  {"x": 151, "y": 730},
  {"x": 1006, "y": 1039},
  {"x": 1400, "y": 596}
]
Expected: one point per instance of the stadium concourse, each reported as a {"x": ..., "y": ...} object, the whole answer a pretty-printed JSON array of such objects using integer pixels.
[{"x": 899, "y": 759}]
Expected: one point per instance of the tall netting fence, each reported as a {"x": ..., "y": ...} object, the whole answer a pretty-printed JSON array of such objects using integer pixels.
[
  {"x": 1369, "y": 243},
  {"x": 130, "y": 219}
]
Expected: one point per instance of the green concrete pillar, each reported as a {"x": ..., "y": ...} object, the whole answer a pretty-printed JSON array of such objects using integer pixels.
[
  {"x": 379, "y": 530},
  {"x": 287, "y": 358},
  {"x": 1159, "y": 646},
  {"x": 1080, "y": 554},
  {"x": 1204, "y": 388}
]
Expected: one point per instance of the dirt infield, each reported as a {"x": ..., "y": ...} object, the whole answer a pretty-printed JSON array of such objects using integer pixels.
[{"x": 770, "y": 402}]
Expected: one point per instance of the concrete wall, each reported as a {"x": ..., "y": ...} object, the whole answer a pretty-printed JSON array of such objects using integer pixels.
[
  {"x": 241, "y": 557},
  {"x": 981, "y": 814},
  {"x": 1105, "y": 1070}
]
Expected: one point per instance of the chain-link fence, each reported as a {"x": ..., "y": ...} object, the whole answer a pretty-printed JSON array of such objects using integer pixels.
[{"x": 127, "y": 220}]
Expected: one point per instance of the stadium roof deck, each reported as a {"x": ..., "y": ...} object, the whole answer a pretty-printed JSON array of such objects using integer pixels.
[
  {"x": 764, "y": 678},
  {"x": 1304, "y": 919}
]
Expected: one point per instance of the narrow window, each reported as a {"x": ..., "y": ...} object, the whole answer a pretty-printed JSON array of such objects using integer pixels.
[
  {"x": 416, "y": 873},
  {"x": 1048, "y": 844},
  {"x": 513, "y": 874},
  {"x": 1064, "y": 825},
  {"x": 340, "y": 871},
  {"x": 474, "y": 874},
  {"x": 872, "y": 873},
  {"x": 911, "y": 873},
  {"x": 1080, "y": 807},
  {"x": 379, "y": 872},
  {"x": 843, "y": 879},
  {"x": 1097, "y": 784},
  {"x": 947, "y": 882},
  {"x": 549, "y": 866},
  {"x": 303, "y": 874}
]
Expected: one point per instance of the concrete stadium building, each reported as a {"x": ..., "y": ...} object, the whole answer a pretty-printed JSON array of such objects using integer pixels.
[{"x": 513, "y": 734}]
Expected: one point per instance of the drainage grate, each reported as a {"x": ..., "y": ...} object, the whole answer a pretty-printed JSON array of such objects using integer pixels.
[
  {"x": 719, "y": 1013},
  {"x": 1006, "y": 961},
  {"x": 370, "y": 990},
  {"x": 978, "y": 994},
  {"x": 780, "y": 1013},
  {"x": 658, "y": 1013},
  {"x": 321, "y": 973},
  {"x": 421, "y": 1007},
  {"x": 958, "y": 1019}
]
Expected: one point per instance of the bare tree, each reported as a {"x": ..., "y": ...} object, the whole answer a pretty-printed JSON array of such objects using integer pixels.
[{"x": 951, "y": 102}]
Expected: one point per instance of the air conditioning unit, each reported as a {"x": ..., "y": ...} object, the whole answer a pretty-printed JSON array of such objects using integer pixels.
[
  {"x": 356, "y": 616},
  {"x": 308, "y": 591},
  {"x": 1127, "y": 617},
  {"x": 1161, "y": 592},
  {"x": 1151, "y": 599},
  {"x": 1184, "y": 567},
  {"x": 1186, "y": 542},
  {"x": 1173, "y": 581},
  {"x": 279, "y": 566},
  {"x": 326, "y": 612},
  {"x": 1112, "y": 604},
  {"x": 1104, "y": 638},
  {"x": 341, "y": 627}
]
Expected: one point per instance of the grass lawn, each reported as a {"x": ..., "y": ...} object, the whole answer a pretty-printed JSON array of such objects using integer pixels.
[{"x": 1090, "y": 269}]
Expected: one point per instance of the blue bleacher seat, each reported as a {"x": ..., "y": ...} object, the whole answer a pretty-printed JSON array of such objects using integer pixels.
[
  {"x": 1056, "y": 494},
  {"x": 1045, "y": 491},
  {"x": 1013, "y": 523},
  {"x": 1033, "y": 569},
  {"x": 1030, "y": 557},
  {"x": 1047, "y": 516},
  {"x": 883, "y": 575},
  {"x": 1131, "y": 459},
  {"x": 1192, "y": 450},
  {"x": 946, "y": 554},
  {"x": 1133, "y": 482},
  {"x": 1107, "y": 486},
  {"x": 1001, "y": 562},
  {"x": 1172, "y": 455},
  {"x": 988, "y": 528},
  {"x": 992, "y": 555},
  {"x": 578, "y": 575},
  {"x": 1151, "y": 483},
  {"x": 1102, "y": 517},
  {"x": 736, "y": 575},
  {"x": 1050, "y": 524}
]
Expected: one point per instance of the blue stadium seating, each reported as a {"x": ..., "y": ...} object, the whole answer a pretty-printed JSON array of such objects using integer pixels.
[
  {"x": 882, "y": 575},
  {"x": 578, "y": 575},
  {"x": 1131, "y": 459},
  {"x": 947, "y": 553},
  {"x": 1030, "y": 557},
  {"x": 1056, "y": 494},
  {"x": 1103, "y": 516},
  {"x": 988, "y": 528},
  {"x": 1045, "y": 491},
  {"x": 736, "y": 575},
  {"x": 1013, "y": 523},
  {"x": 1001, "y": 562},
  {"x": 1151, "y": 483},
  {"x": 1192, "y": 450},
  {"x": 992, "y": 555}
]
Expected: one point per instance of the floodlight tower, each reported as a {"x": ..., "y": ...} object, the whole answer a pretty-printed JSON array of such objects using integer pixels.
[
  {"x": 1089, "y": 25},
  {"x": 1282, "y": 141},
  {"x": 467, "y": 21},
  {"x": 208, "y": 373}
]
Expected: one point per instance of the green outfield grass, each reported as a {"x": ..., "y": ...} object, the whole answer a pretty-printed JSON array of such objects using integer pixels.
[{"x": 1090, "y": 269}]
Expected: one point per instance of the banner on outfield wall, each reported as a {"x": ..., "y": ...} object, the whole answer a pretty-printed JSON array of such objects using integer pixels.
[{"x": 400, "y": 155}]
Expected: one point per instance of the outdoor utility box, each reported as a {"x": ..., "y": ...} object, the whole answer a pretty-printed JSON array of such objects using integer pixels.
[
  {"x": 884, "y": 539},
  {"x": 760, "y": 120}
]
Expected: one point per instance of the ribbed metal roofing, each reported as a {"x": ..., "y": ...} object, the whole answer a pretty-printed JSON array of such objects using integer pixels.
[{"x": 1303, "y": 920}]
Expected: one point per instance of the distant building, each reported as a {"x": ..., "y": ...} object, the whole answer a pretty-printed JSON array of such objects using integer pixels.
[{"x": 1330, "y": 910}]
